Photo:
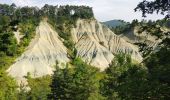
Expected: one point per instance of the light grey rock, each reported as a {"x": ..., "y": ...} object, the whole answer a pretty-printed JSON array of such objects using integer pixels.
[
  {"x": 97, "y": 44},
  {"x": 41, "y": 55}
]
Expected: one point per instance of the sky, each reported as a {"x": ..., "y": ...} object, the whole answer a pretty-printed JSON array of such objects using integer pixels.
[{"x": 104, "y": 10}]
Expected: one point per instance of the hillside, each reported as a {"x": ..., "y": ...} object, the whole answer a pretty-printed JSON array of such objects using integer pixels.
[
  {"x": 114, "y": 23},
  {"x": 64, "y": 53},
  {"x": 47, "y": 48}
]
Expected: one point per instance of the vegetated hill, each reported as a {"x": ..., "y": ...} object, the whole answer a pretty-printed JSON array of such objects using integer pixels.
[
  {"x": 114, "y": 23},
  {"x": 32, "y": 40}
]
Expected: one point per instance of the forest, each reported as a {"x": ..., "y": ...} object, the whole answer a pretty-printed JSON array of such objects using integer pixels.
[{"x": 122, "y": 80}]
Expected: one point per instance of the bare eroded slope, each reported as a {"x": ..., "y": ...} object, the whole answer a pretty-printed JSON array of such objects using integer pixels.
[
  {"x": 41, "y": 55},
  {"x": 97, "y": 44}
]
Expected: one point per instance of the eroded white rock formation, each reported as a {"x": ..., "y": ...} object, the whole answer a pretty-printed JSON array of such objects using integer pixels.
[
  {"x": 41, "y": 55},
  {"x": 97, "y": 44}
]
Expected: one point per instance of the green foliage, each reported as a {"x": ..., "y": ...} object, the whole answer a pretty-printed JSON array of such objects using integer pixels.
[
  {"x": 39, "y": 88},
  {"x": 133, "y": 84},
  {"x": 121, "y": 29},
  {"x": 8, "y": 43},
  {"x": 28, "y": 28},
  {"x": 159, "y": 68},
  {"x": 6, "y": 61},
  {"x": 4, "y": 20},
  {"x": 125, "y": 80},
  {"x": 10, "y": 17},
  {"x": 158, "y": 64},
  {"x": 75, "y": 83},
  {"x": 8, "y": 86},
  {"x": 149, "y": 7},
  {"x": 119, "y": 65},
  {"x": 26, "y": 25},
  {"x": 154, "y": 28}
]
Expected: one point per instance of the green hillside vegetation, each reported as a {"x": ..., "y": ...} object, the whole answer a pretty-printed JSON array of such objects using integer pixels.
[
  {"x": 122, "y": 80},
  {"x": 151, "y": 27},
  {"x": 115, "y": 23},
  {"x": 118, "y": 26},
  {"x": 81, "y": 80},
  {"x": 10, "y": 17},
  {"x": 39, "y": 89}
]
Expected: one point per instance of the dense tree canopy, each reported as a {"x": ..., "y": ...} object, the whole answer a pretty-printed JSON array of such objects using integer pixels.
[{"x": 78, "y": 83}]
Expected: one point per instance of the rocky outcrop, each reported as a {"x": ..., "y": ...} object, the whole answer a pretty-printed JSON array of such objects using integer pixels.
[
  {"x": 146, "y": 38},
  {"x": 97, "y": 44},
  {"x": 41, "y": 55}
]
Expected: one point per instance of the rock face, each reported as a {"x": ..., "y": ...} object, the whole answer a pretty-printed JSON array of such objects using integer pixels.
[
  {"x": 135, "y": 37},
  {"x": 97, "y": 44},
  {"x": 41, "y": 55}
]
